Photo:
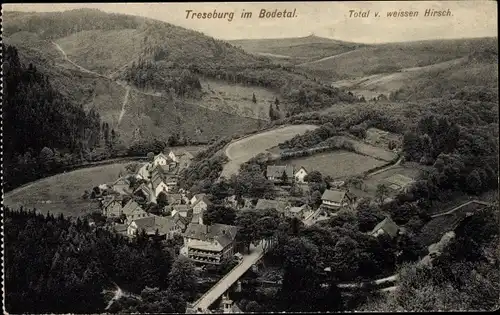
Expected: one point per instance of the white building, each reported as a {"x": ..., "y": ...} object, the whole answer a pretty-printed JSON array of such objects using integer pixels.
[
  {"x": 335, "y": 199},
  {"x": 161, "y": 159},
  {"x": 300, "y": 175}
]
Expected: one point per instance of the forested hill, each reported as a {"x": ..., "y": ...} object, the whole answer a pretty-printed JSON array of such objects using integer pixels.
[
  {"x": 136, "y": 49},
  {"x": 41, "y": 122},
  {"x": 91, "y": 36}
]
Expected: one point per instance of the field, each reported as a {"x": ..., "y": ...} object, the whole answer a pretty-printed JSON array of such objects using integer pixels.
[
  {"x": 62, "y": 193},
  {"x": 299, "y": 48},
  {"x": 236, "y": 99},
  {"x": 244, "y": 149},
  {"x": 338, "y": 164},
  {"x": 371, "y": 183},
  {"x": 382, "y": 138},
  {"x": 389, "y": 58}
]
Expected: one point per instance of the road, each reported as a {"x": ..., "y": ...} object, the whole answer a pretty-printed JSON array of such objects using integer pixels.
[
  {"x": 243, "y": 149},
  {"x": 229, "y": 279},
  {"x": 461, "y": 206},
  {"x": 386, "y": 168},
  {"x": 326, "y": 58}
]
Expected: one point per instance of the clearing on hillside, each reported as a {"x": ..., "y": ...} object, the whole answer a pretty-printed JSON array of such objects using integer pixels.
[
  {"x": 392, "y": 57},
  {"x": 62, "y": 193},
  {"x": 393, "y": 175},
  {"x": 236, "y": 99},
  {"x": 246, "y": 148},
  {"x": 337, "y": 164}
]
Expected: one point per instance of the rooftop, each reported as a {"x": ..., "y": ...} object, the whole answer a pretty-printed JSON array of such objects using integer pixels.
[
  {"x": 222, "y": 233},
  {"x": 278, "y": 170},
  {"x": 389, "y": 227},
  {"x": 263, "y": 204},
  {"x": 333, "y": 195}
]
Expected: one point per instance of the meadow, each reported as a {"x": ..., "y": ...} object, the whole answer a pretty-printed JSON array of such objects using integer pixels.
[
  {"x": 236, "y": 99},
  {"x": 242, "y": 150},
  {"x": 62, "y": 193},
  {"x": 371, "y": 183},
  {"x": 338, "y": 164}
]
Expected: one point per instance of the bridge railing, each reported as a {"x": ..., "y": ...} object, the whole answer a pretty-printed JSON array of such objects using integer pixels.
[{"x": 221, "y": 281}]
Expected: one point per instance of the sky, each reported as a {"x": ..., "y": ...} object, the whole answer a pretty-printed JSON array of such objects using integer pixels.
[{"x": 325, "y": 19}]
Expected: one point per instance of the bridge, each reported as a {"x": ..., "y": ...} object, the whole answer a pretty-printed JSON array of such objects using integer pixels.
[{"x": 248, "y": 260}]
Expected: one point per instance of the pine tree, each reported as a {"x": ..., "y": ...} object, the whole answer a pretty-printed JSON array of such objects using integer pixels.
[{"x": 254, "y": 99}]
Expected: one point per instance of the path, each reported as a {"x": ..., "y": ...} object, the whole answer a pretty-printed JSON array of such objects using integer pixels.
[
  {"x": 125, "y": 100},
  {"x": 461, "y": 206},
  {"x": 385, "y": 168},
  {"x": 126, "y": 86},
  {"x": 247, "y": 147},
  {"x": 326, "y": 58},
  {"x": 229, "y": 279}
]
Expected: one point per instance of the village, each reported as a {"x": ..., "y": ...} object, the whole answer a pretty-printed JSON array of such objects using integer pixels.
[{"x": 150, "y": 201}]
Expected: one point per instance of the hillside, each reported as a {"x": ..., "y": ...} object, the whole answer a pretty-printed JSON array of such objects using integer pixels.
[
  {"x": 392, "y": 57},
  {"x": 302, "y": 49},
  {"x": 122, "y": 65}
]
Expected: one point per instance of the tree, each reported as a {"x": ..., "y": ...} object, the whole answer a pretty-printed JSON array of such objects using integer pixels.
[
  {"x": 355, "y": 181},
  {"x": 182, "y": 278},
  {"x": 150, "y": 156},
  {"x": 474, "y": 184},
  {"x": 162, "y": 199},
  {"x": 314, "y": 176},
  {"x": 254, "y": 99},
  {"x": 382, "y": 192},
  {"x": 46, "y": 157},
  {"x": 277, "y": 103},
  {"x": 284, "y": 178},
  {"x": 316, "y": 198},
  {"x": 272, "y": 115},
  {"x": 219, "y": 214},
  {"x": 368, "y": 216}
]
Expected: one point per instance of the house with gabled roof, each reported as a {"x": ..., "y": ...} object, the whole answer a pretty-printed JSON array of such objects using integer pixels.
[
  {"x": 298, "y": 212},
  {"x": 278, "y": 205},
  {"x": 121, "y": 185},
  {"x": 197, "y": 198},
  {"x": 160, "y": 159},
  {"x": 335, "y": 199},
  {"x": 201, "y": 204},
  {"x": 209, "y": 244},
  {"x": 144, "y": 172},
  {"x": 177, "y": 154},
  {"x": 174, "y": 199},
  {"x": 300, "y": 174},
  {"x": 164, "y": 227},
  {"x": 132, "y": 210},
  {"x": 112, "y": 207},
  {"x": 146, "y": 191},
  {"x": 386, "y": 227},
  {"x": 275, "y": 172},
  {"x": 183, "y": 210},
  {"x": 159, "y": 185}
]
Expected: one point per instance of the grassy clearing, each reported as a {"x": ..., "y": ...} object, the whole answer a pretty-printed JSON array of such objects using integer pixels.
[
  {"x": 304, "y": 48},
  {"x": 157, "y": 117},
  {"x": 371, "y": 183},
  {"x": 244, "y": 149},
  {"x": 386, "y": 58},
  {"x": 236, "y": 99},
  {"x": 103, "y": 51},
  {"x": 381, "y": 138},
  {"x": 338, "y": 164},
  {"x": 62, "y": 193}
]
